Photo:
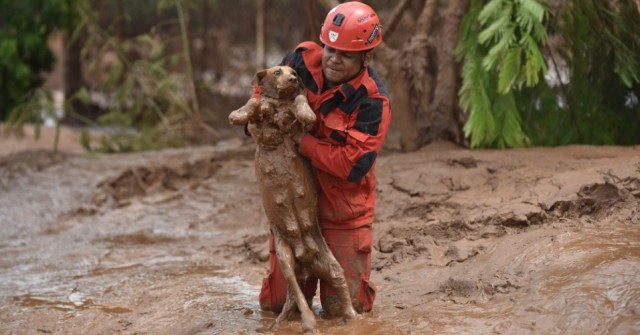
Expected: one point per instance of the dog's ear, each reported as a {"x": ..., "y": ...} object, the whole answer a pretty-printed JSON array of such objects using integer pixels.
[{"x": 258, "y": 78}]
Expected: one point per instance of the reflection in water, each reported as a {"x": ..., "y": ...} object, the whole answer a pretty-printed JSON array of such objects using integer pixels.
[{"x": 75, "y": 302}]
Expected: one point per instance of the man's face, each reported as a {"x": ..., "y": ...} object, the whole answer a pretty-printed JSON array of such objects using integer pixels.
[{"x": 340, "y": 66}]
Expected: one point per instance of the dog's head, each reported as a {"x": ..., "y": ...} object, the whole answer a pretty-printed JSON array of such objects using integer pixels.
[{"x": 280, "y": 82}]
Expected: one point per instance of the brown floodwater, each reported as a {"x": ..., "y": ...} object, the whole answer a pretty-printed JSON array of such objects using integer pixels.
[
  {"x": 583, "y": 281},
  {"x": 183, "y": 258}
]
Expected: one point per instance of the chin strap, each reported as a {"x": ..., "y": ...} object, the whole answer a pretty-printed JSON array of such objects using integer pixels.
[{"x": 364, "y": 57}]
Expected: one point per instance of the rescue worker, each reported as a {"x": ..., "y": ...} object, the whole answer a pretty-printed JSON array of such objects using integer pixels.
[{"x": 353, "y": 115}]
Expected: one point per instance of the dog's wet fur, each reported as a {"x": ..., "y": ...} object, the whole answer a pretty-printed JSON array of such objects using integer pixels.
[{"x": 288, "y": 191}]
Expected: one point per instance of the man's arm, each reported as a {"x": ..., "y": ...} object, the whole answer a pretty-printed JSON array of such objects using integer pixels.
[{"x": 364, "y": 138}]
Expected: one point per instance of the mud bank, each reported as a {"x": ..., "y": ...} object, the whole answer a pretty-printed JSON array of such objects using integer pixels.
[{"x": 530, "y": 241}]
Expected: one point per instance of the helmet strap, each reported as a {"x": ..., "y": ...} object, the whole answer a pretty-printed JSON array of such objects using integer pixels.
[{"x": 364, "y": 59}]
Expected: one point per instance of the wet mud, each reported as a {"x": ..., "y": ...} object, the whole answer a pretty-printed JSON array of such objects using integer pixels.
[{"x": 529, "y": 241}]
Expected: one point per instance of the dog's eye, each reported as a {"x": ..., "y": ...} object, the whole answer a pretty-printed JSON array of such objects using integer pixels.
[
  {"x": 293, "y": 72},
  {"x": 277, "y": 72}
]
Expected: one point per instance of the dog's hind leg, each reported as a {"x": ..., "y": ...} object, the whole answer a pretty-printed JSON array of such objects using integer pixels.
[
  {"x": 289, "y": 306},
  {"x": 294, "y": 293},
  {"x": 304, "y": 208},
  {"x": 330, "y": 270},
  {"x": 278, "y": 208}
]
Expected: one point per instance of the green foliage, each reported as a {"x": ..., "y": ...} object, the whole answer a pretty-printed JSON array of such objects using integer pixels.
[
  {"x": 499, "y": 47},
  {"x": 35, "y": 106},
  {"x": 148, "y": 92},
  {"x": 599, "y": 103},
  {"x": 25, "y": 26},
  {"x": 596, "y": 44},
  {"x": 147, "y": 89}
]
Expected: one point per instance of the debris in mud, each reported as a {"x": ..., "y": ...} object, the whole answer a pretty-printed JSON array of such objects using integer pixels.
[
  {"x": 458, "y": 255},
  {"x": 465, "y": 162},
  {"x": 141, "y": 181},
  {"x": 532, "y": 247},
  {"x": 591, "y": 200},
  {"x": 139, "y": 238},
  {"x": 256, "y": 248},
  {"x": 171, "y": 174},
  {"x": 23, "y": 162},
  {"x": 459, "y": 288},
  {"x": 389, "y": 243}
]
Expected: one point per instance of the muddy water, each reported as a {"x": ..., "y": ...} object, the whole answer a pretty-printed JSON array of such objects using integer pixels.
[
  {"x": 583, "y": 281},
  {"x": 182, "y": 257}
]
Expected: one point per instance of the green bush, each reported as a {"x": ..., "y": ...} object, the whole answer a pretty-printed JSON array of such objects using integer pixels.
[{"x": 25, "y": 26}]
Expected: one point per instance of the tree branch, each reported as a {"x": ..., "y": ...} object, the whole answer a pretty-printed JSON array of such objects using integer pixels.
[
  {"x": 395, "y": 17},
  {"x": 329, "y": 4},
  {"x": 425, "y": 21},
  {"x": 312, "y": 20}
]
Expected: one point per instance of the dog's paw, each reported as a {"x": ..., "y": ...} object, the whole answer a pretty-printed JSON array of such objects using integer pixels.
[
  {"x": 243, "y": 115},
  {"x": 238, "y": 117}
]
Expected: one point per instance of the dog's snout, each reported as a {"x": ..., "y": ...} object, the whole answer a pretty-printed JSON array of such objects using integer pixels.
[{"x": 292, "y": 78}]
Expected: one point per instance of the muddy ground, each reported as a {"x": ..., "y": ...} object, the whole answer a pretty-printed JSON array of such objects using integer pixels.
[{"x": 529, "y": 241}]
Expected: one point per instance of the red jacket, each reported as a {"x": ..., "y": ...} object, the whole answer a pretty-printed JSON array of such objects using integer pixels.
[{"x": 352, "y": 122}]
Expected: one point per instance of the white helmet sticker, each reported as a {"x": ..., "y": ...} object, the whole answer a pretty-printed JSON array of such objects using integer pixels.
[{"x": 333, "y": 36}]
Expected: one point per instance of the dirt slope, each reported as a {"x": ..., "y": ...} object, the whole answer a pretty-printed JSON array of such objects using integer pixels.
[{"x": 530, "y": 241}]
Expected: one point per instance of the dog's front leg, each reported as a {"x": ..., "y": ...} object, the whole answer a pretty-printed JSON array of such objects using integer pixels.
[
  {"x": 304, "y": 113},
  {"x": 245, "y": 114}
]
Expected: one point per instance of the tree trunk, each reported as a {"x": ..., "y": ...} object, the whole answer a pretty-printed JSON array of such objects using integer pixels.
[
  {"x": 445, "y": 119},
  {"x": 423, "y": 77},
  {"x": 260, "y": 59},
  {"x": 329, "y": 4},
  {"x": 312, "y": 21},
  {"x": 410, "y": 80},
  {"x": 402, "y": 112},
  {"x": 73, "y": 81},
  {"x": 121, "y": 20}
]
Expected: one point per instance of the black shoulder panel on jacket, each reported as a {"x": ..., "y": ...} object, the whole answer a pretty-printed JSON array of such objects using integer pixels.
[
  {"x": 295, "y": 60},
  {"x": 330, "y": 104},
  {"x": 362, "y": 166},
  {"x": 355, "y": 99},
  {"x": 373, "y": 74},
  {"x": 369, "y": 116},
  {"x": 286, "y": 60}
]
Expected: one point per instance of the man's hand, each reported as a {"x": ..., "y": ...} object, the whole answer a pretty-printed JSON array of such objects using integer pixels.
[{"x": 298, "y": 138}]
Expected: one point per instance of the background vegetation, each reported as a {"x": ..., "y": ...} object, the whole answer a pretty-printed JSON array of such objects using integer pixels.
[{"x": 480, "y": 73}]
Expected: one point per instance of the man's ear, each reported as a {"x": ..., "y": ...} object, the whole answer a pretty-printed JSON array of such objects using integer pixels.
[{"x": 258, "y": 78}]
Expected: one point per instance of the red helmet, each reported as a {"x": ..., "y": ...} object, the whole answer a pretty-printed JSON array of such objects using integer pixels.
[{"x": 351, "y": 26}]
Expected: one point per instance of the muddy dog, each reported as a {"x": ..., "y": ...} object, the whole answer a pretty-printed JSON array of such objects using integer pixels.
[{"x": 288, "y": 191}]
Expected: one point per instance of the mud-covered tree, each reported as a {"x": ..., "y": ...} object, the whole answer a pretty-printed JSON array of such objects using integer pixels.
[
  {"x": 472, "y": 71},
  {"x": 421, "y": 73}
]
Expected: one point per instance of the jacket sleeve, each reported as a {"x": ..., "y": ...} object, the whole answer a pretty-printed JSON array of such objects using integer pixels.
[{"x": 364, "y": 136}]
